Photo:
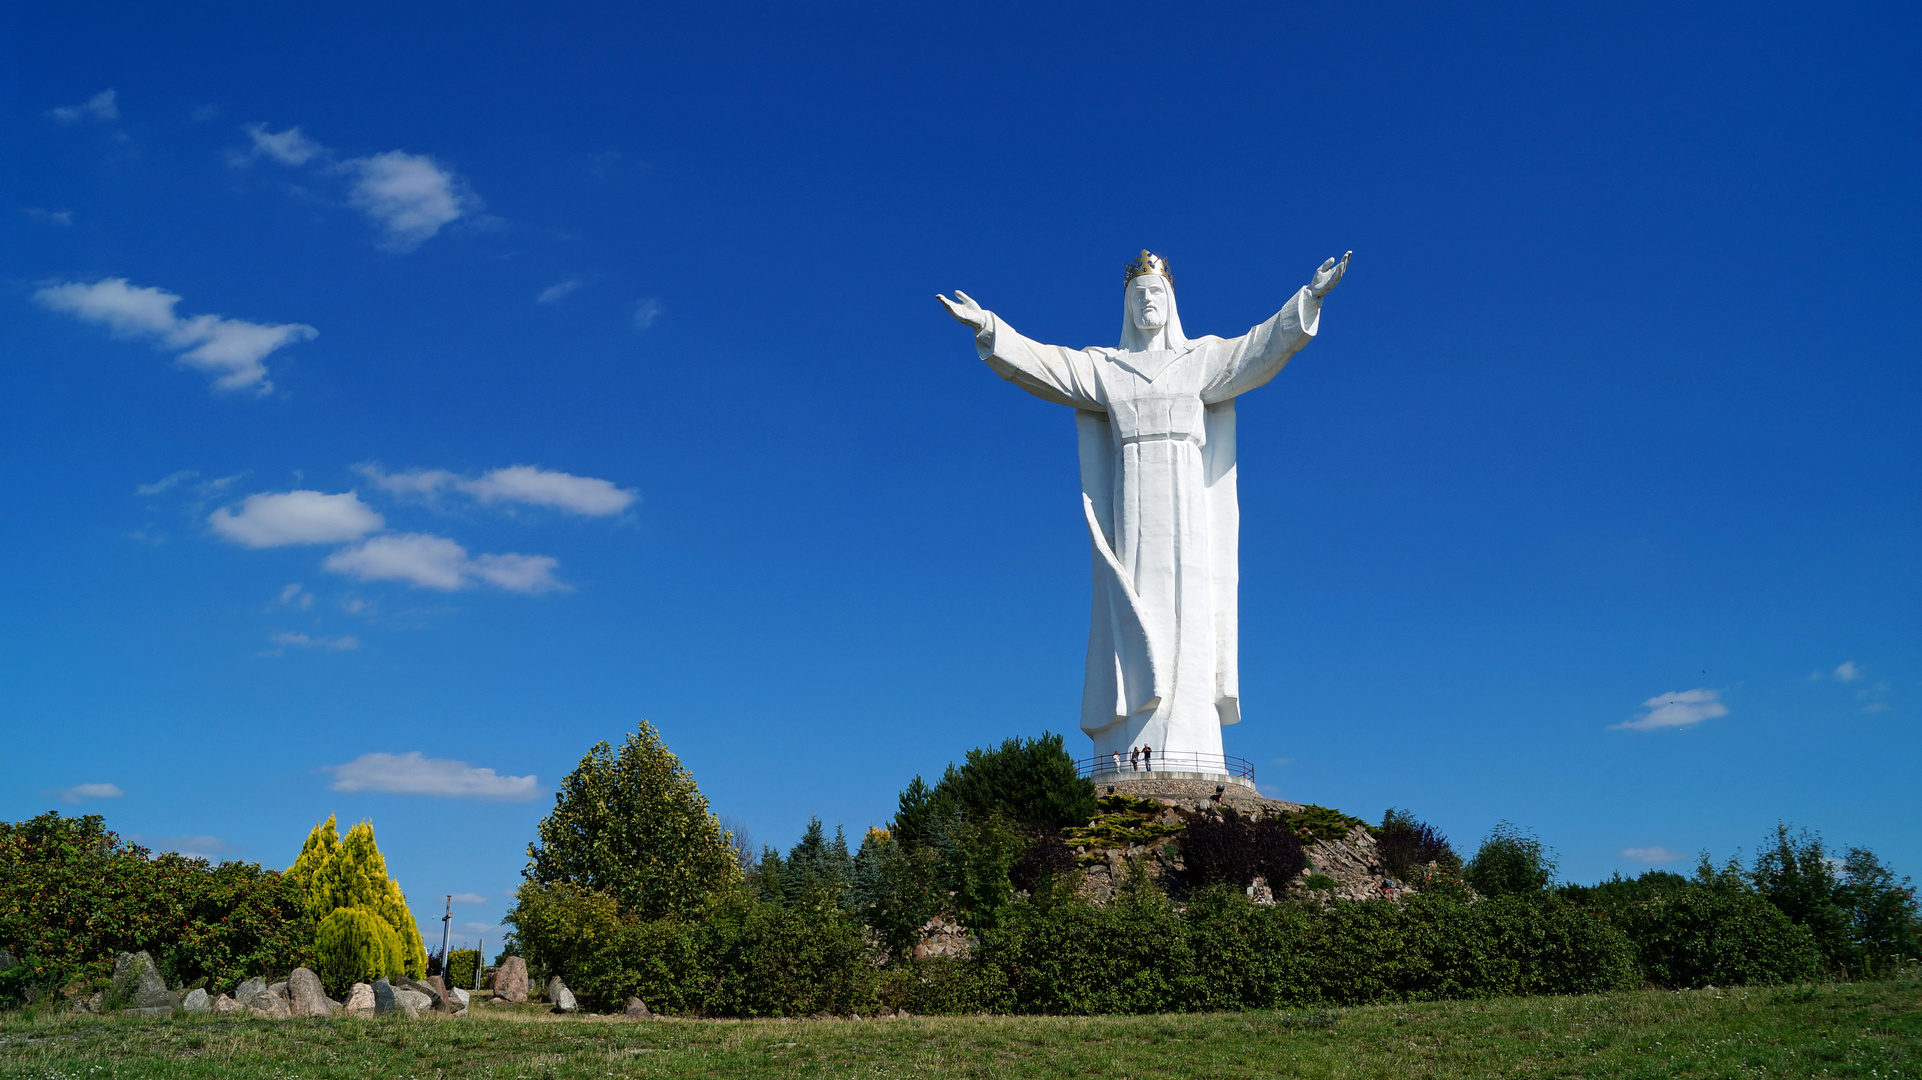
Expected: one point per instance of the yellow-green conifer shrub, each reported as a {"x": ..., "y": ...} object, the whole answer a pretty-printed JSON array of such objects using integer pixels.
[
  {"x": 321, "y": 846},
  {"x": 353, "y": 944},
  {"x": 355, "y": 876}
]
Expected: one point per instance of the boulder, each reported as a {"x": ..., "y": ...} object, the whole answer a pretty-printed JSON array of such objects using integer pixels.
[
  {"x": 271, "y": 1006},
  {"x": 412, "y": 1003},
  {"x": 360, "y": 1000},
  {"x": 245, "y": 991},
  {"x": 305, "y": 996},
  {"x": 133, "y": 974},
  {"x": 150, "y": 1012},
  {"x": 225, "y": 1004},
  {"x": 462, "y": 999},
  {"x": 510, "y": 982},
  {"x": 278, "y": 989},
  {"x": 561, "y": 996},
  {"x": 444, "y": 1002},
  {"x": 637, "y": 1010},
  {"x": 196, "y": 1001},
  {"x": 384, "y": 1002}
]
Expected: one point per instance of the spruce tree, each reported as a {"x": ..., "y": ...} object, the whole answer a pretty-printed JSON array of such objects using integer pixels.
[{"x": 632, "y": 822}]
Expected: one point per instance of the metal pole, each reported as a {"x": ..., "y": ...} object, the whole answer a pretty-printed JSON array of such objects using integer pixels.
[
  {"x": 480, "y": 961},
  {"x": 446, "y": 921}
]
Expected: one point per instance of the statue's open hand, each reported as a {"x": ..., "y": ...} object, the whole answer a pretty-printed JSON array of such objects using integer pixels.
[
  {"x": 966, "y": 311},
  {"x": 1326, "y": 278}
]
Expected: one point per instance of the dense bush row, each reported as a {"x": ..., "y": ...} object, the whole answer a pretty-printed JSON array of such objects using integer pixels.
[
  {"x": 73, "y": 895},
  {"x": 822, "y": 928}
]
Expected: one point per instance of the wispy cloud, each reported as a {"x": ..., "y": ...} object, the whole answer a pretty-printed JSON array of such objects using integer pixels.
[
  {"x": 469, "y": 898},
  {"x": 646, "y": 311},
  {"x": 231, "y": 350},
  {"x": 558, "y": 291},
  {"x": 82, "y": 792},
  {"x": 435, "y": 562},
  {"x": 414, "y": 774},
  {"x": 102, "y": 106},
  {"x": 289, "y": 147},
  {"x": 409, "y": 196},
  {"x": 294, "y": 596},
  {"x": 1850, "y": 671},
  {"x": 528, "y": 485},
  {"x": 277, "y": 519},
  {"x": 1653, "y": 855},
  {"x": 343, "y": 643},
  {"x": 193, "y": 847},
  {"x": 1677, "y": 709},
  {"x": 51, "y": 217}
]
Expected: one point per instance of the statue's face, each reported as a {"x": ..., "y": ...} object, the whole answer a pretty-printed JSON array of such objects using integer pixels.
[{"x": 1148, "y": 302}]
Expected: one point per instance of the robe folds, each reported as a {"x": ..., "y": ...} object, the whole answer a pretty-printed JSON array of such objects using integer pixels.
[{"x": 1156, "y": 433}]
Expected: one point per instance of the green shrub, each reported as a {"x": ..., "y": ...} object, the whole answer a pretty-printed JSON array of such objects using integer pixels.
[
  {"x": 73, "y": 896},
  {"x": 1408, "y": 846},
  {"x": 353, "y": 944},
  {"x": 1510, "y": 862},
  {"x": 1689, "y": 934},
  {"x": 353, "y": 874},
  {"x": 1318, "y": 823},
  {"x": 461, "y": 965}
]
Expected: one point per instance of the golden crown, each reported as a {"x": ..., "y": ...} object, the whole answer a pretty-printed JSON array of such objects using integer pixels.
[{"x": 1149, "y": 263}]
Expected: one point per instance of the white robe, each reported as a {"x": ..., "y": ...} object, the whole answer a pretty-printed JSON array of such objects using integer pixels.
[{"x": 1157, "y": 443}]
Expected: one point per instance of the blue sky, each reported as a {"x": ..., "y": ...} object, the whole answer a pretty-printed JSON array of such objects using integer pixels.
[{"x": 602, "y": 345}]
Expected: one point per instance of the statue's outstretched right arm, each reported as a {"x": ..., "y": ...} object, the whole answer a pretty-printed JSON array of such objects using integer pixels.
[{"x": 1051, "y": 372}]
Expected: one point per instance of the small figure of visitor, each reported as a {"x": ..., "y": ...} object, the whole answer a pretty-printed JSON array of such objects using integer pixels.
[
  {"x": 1134, "y": 759},
  {"x": 1147, "y": 757},
  {"x": 1117, "y": 760}
]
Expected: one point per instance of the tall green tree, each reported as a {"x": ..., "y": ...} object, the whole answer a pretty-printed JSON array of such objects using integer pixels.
[
  {"x": 1029, "y": 782},
  {"x": 817, "y": 871},
  {"x": 355, "y": 876},
  {"x": 1511, "y": 862},
  {"x": 633, "y": 823}
]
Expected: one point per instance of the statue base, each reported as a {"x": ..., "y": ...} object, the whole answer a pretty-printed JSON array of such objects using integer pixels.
[{"x": 1190, "y": 789}]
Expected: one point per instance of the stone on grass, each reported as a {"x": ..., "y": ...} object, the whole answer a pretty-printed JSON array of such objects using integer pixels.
[
  {"x": 384, "y": 1002},
  {"x": 305, "y": 996},
  {"x": 270, "y": 1006},
  {"x": 561, "y": 996},
  {"x": 196, "y": 1001},
  {"x": 225, "y": 1004},
  {"x": 462, "y": 999},
  {"x": 127, "y": 971},
  {"x": 510, "y": 982},
  {"x": 637, "y": 1010},
  {"x": 360, "y": 1000},
  {"x": 246, "y": 991},
  {"x": 412, "y": 1003}
]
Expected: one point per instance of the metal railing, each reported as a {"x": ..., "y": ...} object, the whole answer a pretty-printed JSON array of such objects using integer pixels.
[{"x": 1108, "y": 768}]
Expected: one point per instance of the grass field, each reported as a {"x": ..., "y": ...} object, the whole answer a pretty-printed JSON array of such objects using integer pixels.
[{"x": 1860, "y": 1029}]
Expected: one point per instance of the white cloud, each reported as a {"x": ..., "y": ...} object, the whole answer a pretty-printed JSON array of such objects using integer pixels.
[
  {"x": 1849, "y": 671},
  {"x": 83, "y": 792},
  {"x": 1677, "y": 709},
  {"x": 525, "y": 484},
  {"x": 289, "y": 147},
  {"x": 435, "y": 562},
  {"x": 646, "y": 311},
  {"x": 165, "y": 482},
  {"x": 1875, "y": 707},
  {"x": 544, "y": 487},
  {"x": 553, "y": 294},
  {"x": 408, "y": 195},
  {"x": 344, "y": 643},
  {"x": 412, "y": 774},
  {"x": 231, "y": 350},
  {"x": 193, "y": 847},
  {"x": 293, "y": 596},
  {"x": 277, "y": 519},
  {"x": 469, "y": 898},
  {"x": 53, "y": 217},
  {"x": 1655, "y": 855},
  {"x": 101, "y": 106}
]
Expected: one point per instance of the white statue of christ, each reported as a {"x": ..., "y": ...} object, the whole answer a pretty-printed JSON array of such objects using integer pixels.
[{"x": 1156, "y": 420}]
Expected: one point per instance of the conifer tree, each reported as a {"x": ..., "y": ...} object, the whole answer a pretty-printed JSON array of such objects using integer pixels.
[
  {"x": 322, "y": 844},
  {"x": 355, "y": 876}
]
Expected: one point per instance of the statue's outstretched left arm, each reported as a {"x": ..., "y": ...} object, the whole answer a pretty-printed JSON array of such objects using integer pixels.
[{"x": 1259, "y": 355}]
